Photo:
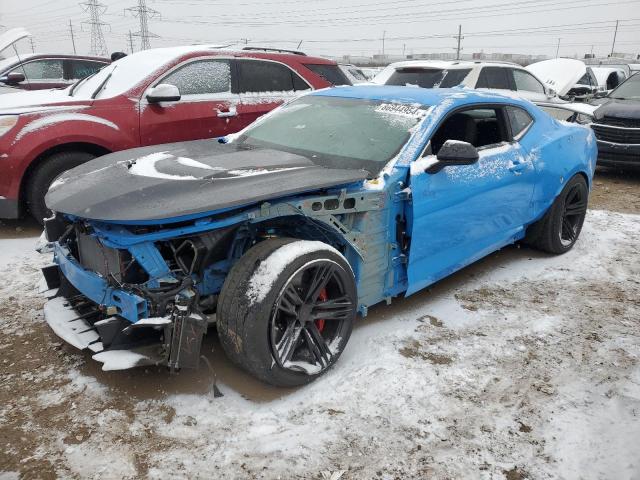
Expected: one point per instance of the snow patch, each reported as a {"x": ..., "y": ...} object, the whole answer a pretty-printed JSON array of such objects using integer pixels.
[
  {"x": 120, "y": 359},
  {"x": 419, "y": 166},
  {"x": 268, "y": 271},
  {"x": 146, "y": 167},
  {"x": 45, "y": 121}
]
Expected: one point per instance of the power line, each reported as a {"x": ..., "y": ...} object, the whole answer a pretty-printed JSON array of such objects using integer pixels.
[
  {"x": 98, "y": 43},
  {"x": 144, "y": 13}
]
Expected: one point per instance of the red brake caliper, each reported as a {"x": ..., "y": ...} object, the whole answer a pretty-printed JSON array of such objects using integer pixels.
[{"x": 323, "y": 297}]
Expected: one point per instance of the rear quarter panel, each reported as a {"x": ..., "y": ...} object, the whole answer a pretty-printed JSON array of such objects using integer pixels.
[{"x": 563, "y": 150}]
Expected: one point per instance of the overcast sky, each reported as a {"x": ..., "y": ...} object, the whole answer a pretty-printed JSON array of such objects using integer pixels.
[{"x": 336, "y": 27}]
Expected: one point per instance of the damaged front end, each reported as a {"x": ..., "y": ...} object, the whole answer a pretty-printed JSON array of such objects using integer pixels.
[{"x": 128, "y": 299}]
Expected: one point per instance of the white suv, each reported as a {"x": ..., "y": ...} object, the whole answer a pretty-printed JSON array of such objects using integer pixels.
[
  {"x": 490, "y": 75},
  {"x": 503, "y": 77}
]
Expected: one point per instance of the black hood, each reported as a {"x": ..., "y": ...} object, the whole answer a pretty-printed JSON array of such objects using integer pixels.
[
  {"x": 618, "y": 109},
  {"x": 167, "y": 181}
]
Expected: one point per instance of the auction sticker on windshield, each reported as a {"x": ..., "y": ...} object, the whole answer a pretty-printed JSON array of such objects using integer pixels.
[{"x": 401, "y": 109}]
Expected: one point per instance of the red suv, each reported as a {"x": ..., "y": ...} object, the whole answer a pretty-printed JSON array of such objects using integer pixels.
[{"x": 154, "y": 96}]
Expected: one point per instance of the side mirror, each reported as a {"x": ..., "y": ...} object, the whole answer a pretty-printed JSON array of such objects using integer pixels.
[
  {"x": 13, "y": 78},
  {"x": 551, "y": 93},
  {"x": 601, "y": 94},
  {"x": 163, "y": 93},
  {"x": 454, "y": 152}
]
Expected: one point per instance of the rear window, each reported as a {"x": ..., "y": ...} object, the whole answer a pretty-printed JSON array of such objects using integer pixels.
[
  {"x": 428, "y": 77},
  {"x": 331, "y": 73},
  {"x": 261, "y": 76},
  {"x": 520, "y": 121}
]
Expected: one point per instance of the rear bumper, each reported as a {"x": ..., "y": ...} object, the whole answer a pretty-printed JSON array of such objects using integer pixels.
[
  {"x": 9, "y": 208},
  {"x": 618, "y": 154}
]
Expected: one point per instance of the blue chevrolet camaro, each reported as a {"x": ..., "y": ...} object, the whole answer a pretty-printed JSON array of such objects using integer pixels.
[{"x": 280, "y": 235}]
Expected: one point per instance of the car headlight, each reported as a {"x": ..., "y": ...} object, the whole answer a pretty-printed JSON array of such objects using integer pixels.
[
  {"x": 7, "y": 122},
  {"x": 584, "y": 119}
]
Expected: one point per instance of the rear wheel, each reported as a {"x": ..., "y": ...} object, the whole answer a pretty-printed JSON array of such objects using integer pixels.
[
  {"x": 45, "y": 174},
  {"x": 286, "y": 310},
  {"x": 559, "y": 229}
]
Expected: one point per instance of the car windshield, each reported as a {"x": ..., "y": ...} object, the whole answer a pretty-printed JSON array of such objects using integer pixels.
[
  {"x": 338, "y": 132},
  {"x": 629, "y": 90},
  {"x": 127, "y": 73},
  {"x": 427, "y": 77}
]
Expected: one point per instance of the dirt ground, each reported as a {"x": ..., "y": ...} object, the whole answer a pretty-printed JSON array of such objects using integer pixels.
[
  {"x": 522, "y": 366},
  {"x": 616, "y": 191}
]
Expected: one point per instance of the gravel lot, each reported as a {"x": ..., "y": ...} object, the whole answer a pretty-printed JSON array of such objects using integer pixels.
[{"x": 520, "y": 366}]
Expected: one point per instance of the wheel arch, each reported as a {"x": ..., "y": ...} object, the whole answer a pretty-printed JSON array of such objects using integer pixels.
[{"x": 86, "y": 147}]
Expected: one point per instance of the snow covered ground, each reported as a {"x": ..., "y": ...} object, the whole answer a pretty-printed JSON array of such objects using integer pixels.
[{"x": 522, "y": 366}]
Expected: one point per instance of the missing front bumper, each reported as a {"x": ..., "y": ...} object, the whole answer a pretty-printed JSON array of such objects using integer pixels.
[{"x": 73, "y": 327}]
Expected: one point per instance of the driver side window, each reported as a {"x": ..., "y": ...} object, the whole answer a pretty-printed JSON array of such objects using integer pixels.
[
  {"x": 201, "y": 77},
  {"x": 481, "y": 127}
]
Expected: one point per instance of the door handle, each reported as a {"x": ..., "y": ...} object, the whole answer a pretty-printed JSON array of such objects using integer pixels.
[
  {"x": 232, "y": 112},
  {"x": 518, "y": 166}
]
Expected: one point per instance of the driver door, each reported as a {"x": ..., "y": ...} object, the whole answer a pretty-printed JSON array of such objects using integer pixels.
[
  {"x": 464, "y": 212},
  {"x": 206, "y": 109}
]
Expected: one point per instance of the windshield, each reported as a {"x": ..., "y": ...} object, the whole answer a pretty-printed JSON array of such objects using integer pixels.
[
  {"x": 128, "y": 72},
  {"x": 428, "y": 77},
  {"x": 338, "y": 132},
  {"x": 628, "y": 90}
]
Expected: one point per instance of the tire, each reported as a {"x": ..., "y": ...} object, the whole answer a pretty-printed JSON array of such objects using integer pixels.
[
  {"x": 268, "y": 312},
  {"x": 558, "y": 230},
  {"x": 45, "y": 174}
]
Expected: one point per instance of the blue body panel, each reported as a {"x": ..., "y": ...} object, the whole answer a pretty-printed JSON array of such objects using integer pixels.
[
  {"x": 453, "y": 217},
  {"x": 128, "y": 305}
]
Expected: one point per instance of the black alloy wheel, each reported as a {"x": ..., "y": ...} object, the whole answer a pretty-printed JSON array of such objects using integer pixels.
[{"x": 309, "y": 318}]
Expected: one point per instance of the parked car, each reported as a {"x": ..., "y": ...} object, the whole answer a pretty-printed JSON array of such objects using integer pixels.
[
  {"x": 40, "y": 71},
  {"x": 335, "y": 202},
  {"x": 478, "y": 74},
  {"x": 609, "y": 77},
  {"x": 617, "y": 125},
  {"x": 150, "y": 97},
  {"x": 353, "y": 73},
  {"x": 571, "y": 79},
  {"x": 503, "y": 77}
]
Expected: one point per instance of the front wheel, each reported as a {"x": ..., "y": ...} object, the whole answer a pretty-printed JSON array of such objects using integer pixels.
[
  {"x": 286, "y": 310},
  {"x": 559, "y": 229},
  {"x": 46, "y": 173}
]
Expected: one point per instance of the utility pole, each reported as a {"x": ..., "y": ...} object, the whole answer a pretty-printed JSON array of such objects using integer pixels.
[
  {"x": 95, "y": 9},
  {"x": 73, "y": 40},
  {"x": 404, "y": 47},
  {"x": 130, "y": 41},
  {"x": 615, "y": 34},
  {"x": 459, "y": 37},
  {"x": 384, "y": 34},
  {"x": 144, "y": 13},
  {"x": 33, "y": 50},
  {"x": 558, "y": 48}
]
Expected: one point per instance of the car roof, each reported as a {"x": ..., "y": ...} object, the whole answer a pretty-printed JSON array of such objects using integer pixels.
[
  {"x": 423, "y": 96},
  {"x": 451, "y": 64}
]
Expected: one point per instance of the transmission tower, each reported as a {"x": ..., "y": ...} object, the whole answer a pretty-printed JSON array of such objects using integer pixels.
[
  {"x": 95, "y": 9},
  {"x": 144, "y": 13}
]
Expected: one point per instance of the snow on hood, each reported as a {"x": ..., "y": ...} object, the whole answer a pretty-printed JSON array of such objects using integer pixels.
[
  {"x": 561, "y": 74},
  {"x": 12, "y": 36},
  {"x": 31, "y": 100}
]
